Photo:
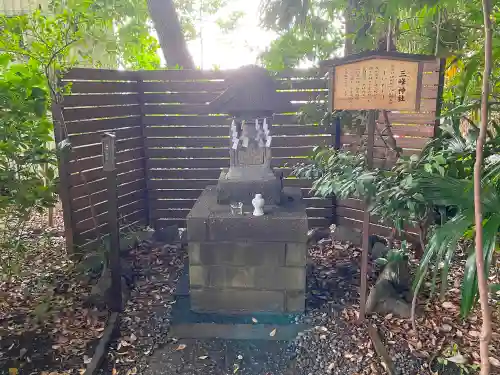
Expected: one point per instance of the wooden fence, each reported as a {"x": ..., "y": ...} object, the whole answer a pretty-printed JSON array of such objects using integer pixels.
[{"x": 170, "y": 147}]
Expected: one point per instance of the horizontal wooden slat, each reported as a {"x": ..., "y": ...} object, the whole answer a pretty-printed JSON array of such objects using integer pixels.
[
  {"x": 96, "y": 161},
  {"x": 97, "y": 174},
  {"x": 83, "y": 236},
  {"x": 197, "y": 174},
  {"x": 205, "y": 109},
  {"x": 409, "y": 118},
  {"x": 86, "y": 243},
  {"x": 319, "y": 202},
  {"x": 383, "y": 152},
  {"x": 102, "y": 195},
  {"x": 430, "y": 78},
  {"x": 96, "y": 137},
  {"x": 403, "y": 142},
  {"x": 428, "y": 105},
  {"x": 319, "y": 212},
  {"x": 431, "y": 66},
  {"x": 352, "y": 213},
  {"x": 96, "y": 149},
  {"x": 278, "y": 152},
  {"x": 91, "y": 187},
  {"x": 430, "y": 92},
  {"x": 202, "y": 184},
  {"x": 410, "y": 130},
  {"x": 178, "y": 109},
  {"x": 101, "y": 125},
  {"x": 182, "y": 97},
  {"x": 102, "y": 207},
  {"x": 305, "y": 84},
  {"x": 205, "y": 120},
  {"x": 163, "y": 204},
  {"x": 222, "y": 131},
  {"x": 85, "y": 74},
  {"x": 101, "y": 87},
  {"x": 187, "y": 86},
  {"x": 100, "y": 100},
  {"x": 207, "y": 97},
  {"x": 89, "y": 224},
  {"x": 214, "y": 163},
  {"x": 180, "y": 184},
  {"x": 224, "y": 142},
  {"x": 351, "y": 203},
  {"x": 183, "y": 75},
  {"x": 155, "y": 193},
  {"x": 219, "y": 86},
  {"x": 75, "y": 114},
  {"x": 356, "y": 224},
  {"x": 187, "y": 74}
]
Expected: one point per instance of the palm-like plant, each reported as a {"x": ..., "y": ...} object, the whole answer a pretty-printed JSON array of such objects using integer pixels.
[{"x": 459, "y": 193}]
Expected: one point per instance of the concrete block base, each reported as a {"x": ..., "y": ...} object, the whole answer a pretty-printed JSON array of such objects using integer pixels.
[{"x": 245, "y": 264}]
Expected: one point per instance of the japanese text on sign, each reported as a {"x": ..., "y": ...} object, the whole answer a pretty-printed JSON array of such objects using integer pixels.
[{"x": 376, "y": 84}]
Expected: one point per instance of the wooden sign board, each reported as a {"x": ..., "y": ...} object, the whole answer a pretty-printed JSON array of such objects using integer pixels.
[{"x": 384, "y": 84}]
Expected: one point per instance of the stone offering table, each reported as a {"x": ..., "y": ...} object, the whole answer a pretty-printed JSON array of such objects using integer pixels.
[{"x": 242, "y": 263}]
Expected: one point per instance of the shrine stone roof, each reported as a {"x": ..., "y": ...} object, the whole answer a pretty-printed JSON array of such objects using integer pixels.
[{"x": 251, "y": 91}]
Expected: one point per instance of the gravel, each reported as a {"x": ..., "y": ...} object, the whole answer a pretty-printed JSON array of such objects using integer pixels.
[{"x": 334, "y": 343}]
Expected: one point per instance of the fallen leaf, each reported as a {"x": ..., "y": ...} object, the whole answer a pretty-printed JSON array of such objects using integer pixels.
[
  {"x": 114, "y": 372},
  {"x": 495, "y": 362},
  {"x": 132, "y": 371},
  {"x": 448, "y": 305},
  {"x": 13, "y": 371},
  {"x": 133, "y": 337},
  {"x": 255, "y": 320},
  {"x": 388, "y": 316},
  {"x": 446, "y": 328},
  {"x": 203, "y": 357},
  {"x": 458, "y": 359},
  {"x": 272, "y": 333},
  {"x": 474, "y": 333},
  {"x": 181, "y": 347}
]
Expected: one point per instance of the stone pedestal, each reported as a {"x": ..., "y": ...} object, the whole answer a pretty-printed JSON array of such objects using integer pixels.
[
  {"x": 231, "y": 190},
  {"x": 246, "y": 263}
]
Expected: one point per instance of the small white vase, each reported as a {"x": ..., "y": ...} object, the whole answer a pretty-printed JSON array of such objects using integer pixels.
[{"x": 258, "y": 205}]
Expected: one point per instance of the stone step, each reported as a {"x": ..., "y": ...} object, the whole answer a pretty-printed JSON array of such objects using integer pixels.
[{"x": 236, "y": 331}]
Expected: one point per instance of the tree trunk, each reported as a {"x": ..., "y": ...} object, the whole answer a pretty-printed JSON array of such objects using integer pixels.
[
  {"x": 478, "y": 216},
  {"x": 170, "y": 36}
]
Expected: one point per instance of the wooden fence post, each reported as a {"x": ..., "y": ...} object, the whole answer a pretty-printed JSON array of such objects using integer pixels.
[
  {"x": 63, "y": 164},
  {"x": 140, "y": 90},
  {"x": 109, "y": 168},
  {"x": 366, "y": 216}
]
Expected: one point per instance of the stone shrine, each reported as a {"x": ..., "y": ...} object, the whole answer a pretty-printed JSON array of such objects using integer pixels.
[{"x": 240, "y": 263}]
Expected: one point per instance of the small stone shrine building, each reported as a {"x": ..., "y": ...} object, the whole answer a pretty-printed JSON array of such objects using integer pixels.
[{"x": 238, "y": 262}]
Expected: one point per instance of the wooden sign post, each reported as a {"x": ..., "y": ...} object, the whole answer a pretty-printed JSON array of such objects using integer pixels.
[
  {"x": 375, "y": 81},
  {"x": 109, "y": 168}
]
